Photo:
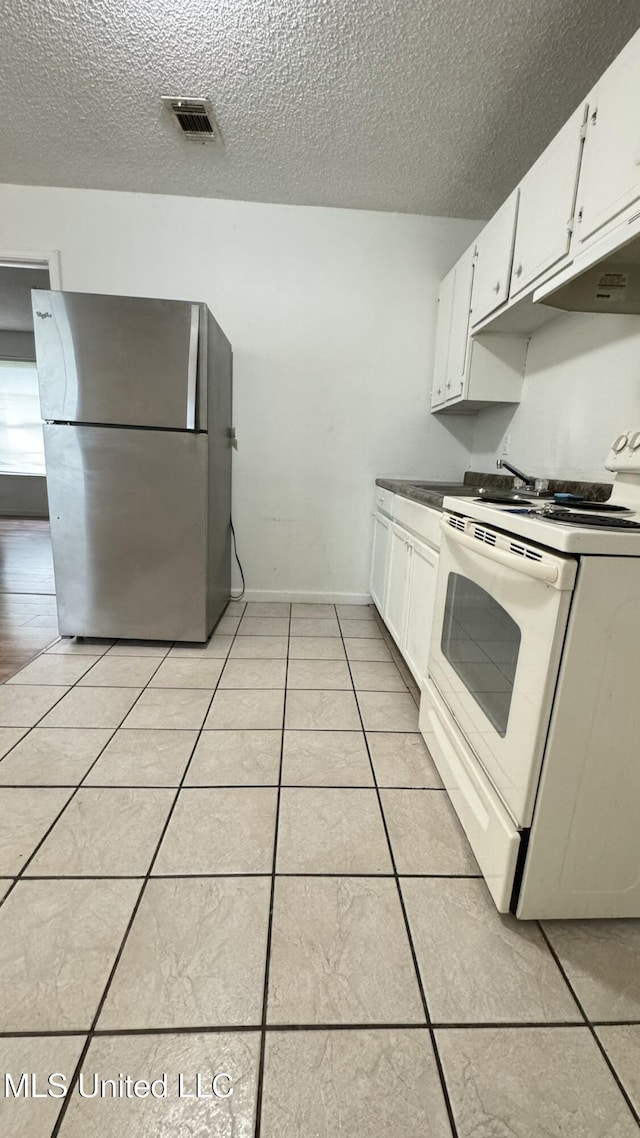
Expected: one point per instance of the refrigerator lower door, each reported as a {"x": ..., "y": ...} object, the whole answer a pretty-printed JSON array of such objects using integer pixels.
[{"x": 128, "y": 527}]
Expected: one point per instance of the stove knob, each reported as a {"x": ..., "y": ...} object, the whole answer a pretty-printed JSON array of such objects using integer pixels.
[
  {"x": 620, "y": 443},
  {"x": 634, "y": 441}
]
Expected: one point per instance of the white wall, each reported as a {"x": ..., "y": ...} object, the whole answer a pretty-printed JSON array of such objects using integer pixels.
[
  {"x": 581, "y": 388},
  {"x": 331, "y": 314}
]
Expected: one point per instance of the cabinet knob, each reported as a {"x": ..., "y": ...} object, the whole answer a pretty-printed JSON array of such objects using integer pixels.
[
  {"x": 518, "y": 270},
  {"x": 496, "y": 287}
]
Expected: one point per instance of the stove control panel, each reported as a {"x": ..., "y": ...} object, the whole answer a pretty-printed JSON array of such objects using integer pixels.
[{"x": 625, "y": 452}]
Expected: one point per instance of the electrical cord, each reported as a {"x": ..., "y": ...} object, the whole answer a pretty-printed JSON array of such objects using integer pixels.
[{"x": 235, "y": 551}]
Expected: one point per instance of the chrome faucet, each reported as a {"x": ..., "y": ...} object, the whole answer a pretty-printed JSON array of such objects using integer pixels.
[
  {"x": 500, "y": 463},
  {"x": 534, "y": 485}
]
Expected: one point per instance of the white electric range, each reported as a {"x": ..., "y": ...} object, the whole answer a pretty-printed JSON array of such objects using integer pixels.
[{"x": 532, "y": 707}]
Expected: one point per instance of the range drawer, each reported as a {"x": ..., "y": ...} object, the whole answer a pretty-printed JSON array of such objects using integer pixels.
[{"x": 489, "y": 827}]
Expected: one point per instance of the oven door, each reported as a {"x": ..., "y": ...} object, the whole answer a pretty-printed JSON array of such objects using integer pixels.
[{"x": 500, "y": 616}]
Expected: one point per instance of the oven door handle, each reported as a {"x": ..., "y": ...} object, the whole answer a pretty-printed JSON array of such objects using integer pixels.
[{"x": 539, "y": 569}]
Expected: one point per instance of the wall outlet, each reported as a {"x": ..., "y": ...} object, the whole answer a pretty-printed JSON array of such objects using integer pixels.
[{"x": 506, "y": 445}]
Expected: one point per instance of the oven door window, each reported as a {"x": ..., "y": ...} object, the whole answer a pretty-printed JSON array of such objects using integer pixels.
[{"x": 481, "y": 642}]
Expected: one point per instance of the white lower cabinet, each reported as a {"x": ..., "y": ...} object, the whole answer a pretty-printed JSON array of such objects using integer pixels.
[
  {"x": 403, "y": 581},
  {"x": 379, "y": 557},
  {"x": 422, "y": 590},
  {"x": 397, "y": 590}
]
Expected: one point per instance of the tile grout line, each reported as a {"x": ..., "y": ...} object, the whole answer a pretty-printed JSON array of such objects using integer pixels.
[
  {"x": 74, "y": 790},
  {"x": 398, "y": 658},
  {"x": 35, "y": 851},
  {"x": 275, "y": 1028},
  {"x": 265, "y": 994},
  {"x": 588, "y": 1023},
  {"x": 122, "y": 727},
  {"x": 265, "y": 1028},
  {"x": 205, "y": 687},
  {"x": 29, "y": 660},
  {"x": 421, "y": 990},
  {"x": 240, "y": 873},
  {"x": 215, "y": 786},
  {"x": 91, "y": 1031},
  {"x": 290, "y": 1028}
]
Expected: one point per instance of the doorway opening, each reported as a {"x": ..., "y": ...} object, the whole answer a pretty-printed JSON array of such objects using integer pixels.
[{"x": 27, "y": 591}]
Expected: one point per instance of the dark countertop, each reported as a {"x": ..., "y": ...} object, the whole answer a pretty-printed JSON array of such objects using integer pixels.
[{"x": 433, "y": 493}]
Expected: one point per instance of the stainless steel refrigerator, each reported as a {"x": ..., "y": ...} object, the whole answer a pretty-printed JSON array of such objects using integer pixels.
[{"x": 136, "y": 395}]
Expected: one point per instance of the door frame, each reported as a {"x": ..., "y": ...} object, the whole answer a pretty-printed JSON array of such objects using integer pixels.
[
  {"x": 31, "y": 259},
  {"x": 34, "y": 259}
]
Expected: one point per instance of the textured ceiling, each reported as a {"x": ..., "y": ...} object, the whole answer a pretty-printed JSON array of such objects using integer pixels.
[{"x": 427, "y": 106}]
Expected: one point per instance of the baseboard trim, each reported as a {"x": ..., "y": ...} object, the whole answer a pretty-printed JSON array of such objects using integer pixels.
[{"x": 306, "y": 598}]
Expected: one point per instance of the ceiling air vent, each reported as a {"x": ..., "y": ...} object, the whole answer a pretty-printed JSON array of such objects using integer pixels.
[{"x": 194, "y": 117}]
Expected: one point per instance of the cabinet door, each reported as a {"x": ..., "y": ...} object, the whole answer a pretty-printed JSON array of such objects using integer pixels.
[
  {"x": 379, "y": 557},
  {"x": 493, "y": 263},
  {"x": 610, "y": 176},
  {"x": 459, "y": 329},
  {"x": 422, "y": 588},
  {"x": 443, "y": 326},
  {"x": 396, "y": 596},
  {"x": 547, "y": 202}
]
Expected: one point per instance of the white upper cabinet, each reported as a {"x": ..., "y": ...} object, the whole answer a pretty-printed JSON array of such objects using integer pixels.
[
  {"x": 471, "y": 372},
  {"x": 494, "y": 258},
  {"x": 452, "y": 331},
  {"x": 610, "y": 175},
  {"x": 547, "y": 203},
  {"x": 443, "y": 327},
  {"x": 460, "y": 318}
]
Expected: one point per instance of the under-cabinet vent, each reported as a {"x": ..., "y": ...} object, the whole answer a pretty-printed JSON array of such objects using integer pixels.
[
  {"x": 525, "y": 551},
  {"x": 194, "y": 117},
  {"x": 484, "y": 535}
]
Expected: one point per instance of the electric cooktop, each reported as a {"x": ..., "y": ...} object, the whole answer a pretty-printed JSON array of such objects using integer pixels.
[
  {"x": 576, "y": 517},
  {"x": 609, "y": 529}
]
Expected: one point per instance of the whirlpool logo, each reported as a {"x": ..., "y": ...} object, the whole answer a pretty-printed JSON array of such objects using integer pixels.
[{"x": 44, "y": 315}]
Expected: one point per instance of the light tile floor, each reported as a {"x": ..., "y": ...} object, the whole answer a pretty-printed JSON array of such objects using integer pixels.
[{"x": 240, "y": 858}]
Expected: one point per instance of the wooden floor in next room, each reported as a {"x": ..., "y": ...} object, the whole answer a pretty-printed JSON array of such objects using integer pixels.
[{"x": 27, "y": 592}]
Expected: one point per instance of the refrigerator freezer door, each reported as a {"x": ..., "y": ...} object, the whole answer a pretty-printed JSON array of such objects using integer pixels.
[
  {"x": 117, "y": 360},
  {"x": 129, "y": 531}
]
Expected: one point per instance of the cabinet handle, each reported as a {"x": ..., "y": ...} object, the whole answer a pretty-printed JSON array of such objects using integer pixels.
[
  {"x": 518, "y": 271},
  {"x": 496, "y": 287}
]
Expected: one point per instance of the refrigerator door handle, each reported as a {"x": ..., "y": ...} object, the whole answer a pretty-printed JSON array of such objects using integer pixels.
[{"x": 192, "y": 373}]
